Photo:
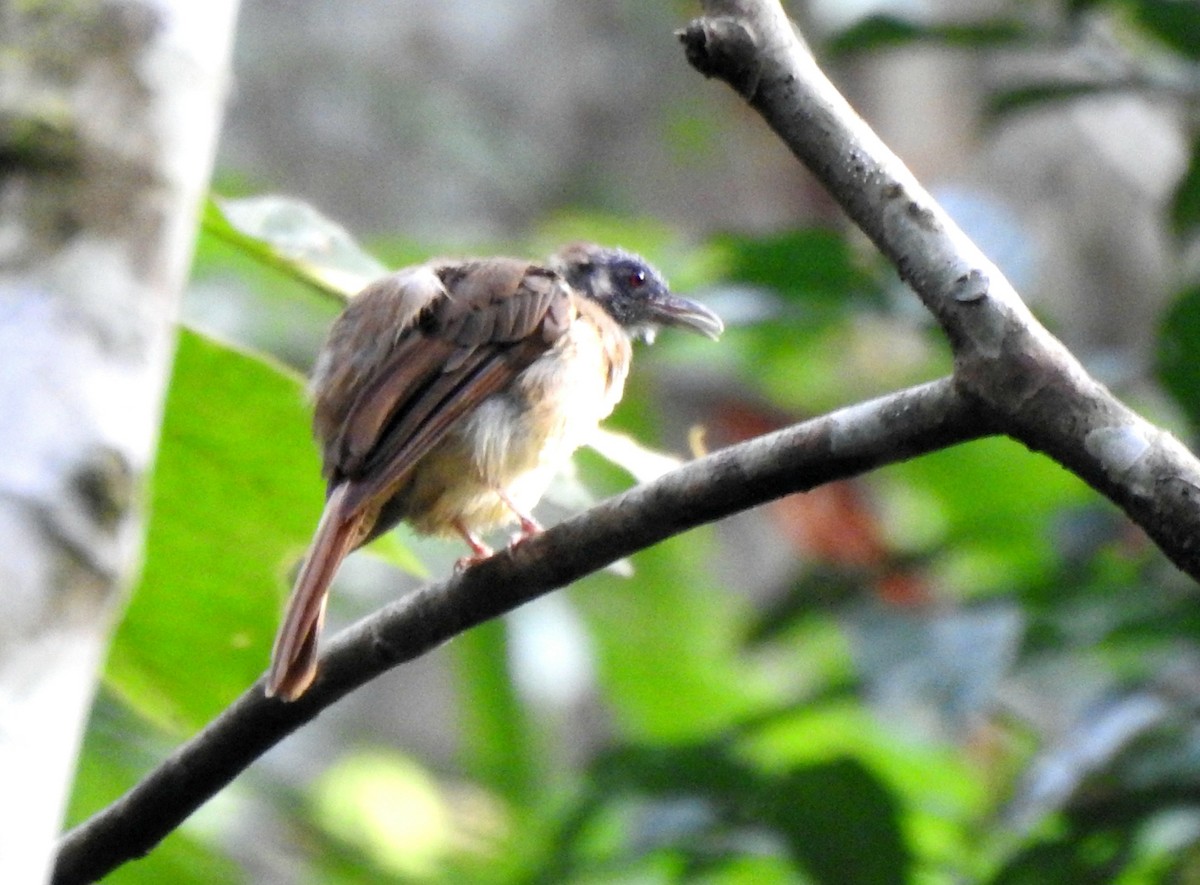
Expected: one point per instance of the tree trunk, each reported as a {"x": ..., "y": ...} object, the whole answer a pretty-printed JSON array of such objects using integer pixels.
[{"x": 108, "y": 119}]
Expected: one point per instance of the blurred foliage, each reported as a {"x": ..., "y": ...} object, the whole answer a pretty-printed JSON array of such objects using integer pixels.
[
  {"x": 975, "y": 671},
  {"x": 882, "y": 31},
  {"x": 1185, "y": 206},
  {"x": 1178, "y": 369}
]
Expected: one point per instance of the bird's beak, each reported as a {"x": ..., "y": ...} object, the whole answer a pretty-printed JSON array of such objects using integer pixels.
[{"x": 671, "y": 310}]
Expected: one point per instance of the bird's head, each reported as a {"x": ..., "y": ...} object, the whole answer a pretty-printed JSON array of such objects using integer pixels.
[{"x": 631, "y": 291}]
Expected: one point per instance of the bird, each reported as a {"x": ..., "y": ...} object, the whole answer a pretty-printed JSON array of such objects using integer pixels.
[{"x": 448, "y": 395}]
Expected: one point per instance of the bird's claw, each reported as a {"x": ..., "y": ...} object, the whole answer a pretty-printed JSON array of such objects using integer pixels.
[
  {"x": 529, "y": 528},
  {"x": 479, "y": 550},
  {"x": 465, "y": 562}
]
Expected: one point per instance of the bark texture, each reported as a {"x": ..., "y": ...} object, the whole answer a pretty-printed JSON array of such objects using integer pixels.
[{"x": 108, "y": 120}]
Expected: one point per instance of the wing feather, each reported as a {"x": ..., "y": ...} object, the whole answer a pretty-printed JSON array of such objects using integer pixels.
[
  {"x": 492, "y": 319},
  {"x": 411, "y": 356}
]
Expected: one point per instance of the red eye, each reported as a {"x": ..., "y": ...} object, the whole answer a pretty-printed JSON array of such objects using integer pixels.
[{"x": 637, "y": 279}]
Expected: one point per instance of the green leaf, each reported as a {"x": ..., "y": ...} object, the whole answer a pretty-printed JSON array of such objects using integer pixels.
[
  {"x": 1067, "y": 861},
  {"x": 876, "y": 32},
  {"x": 394, "y": 551},
  {"x": 1175, "y": 22},
  {"x": 836, "y": 819},
  {"x": 1023, "y": 98},
  {"x": 236, "y": 493},
  {"x": 939, "y": 791},
  {"x": 813, "y": 267},
  {"x": 295, "y": 239},
  {"x": 499, "y": 745},
  {"x": 667, "y": 642},
  {"x": 841, "y": 822},
  {"x": 1177, "y": 357},
  {"x": 988, "y": 507},
  {"x": 1185, "y": 203},
  {"x": 118, "y": 748}
]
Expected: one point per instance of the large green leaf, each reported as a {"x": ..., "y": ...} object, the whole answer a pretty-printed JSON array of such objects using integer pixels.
[
  {"x": 236, "y": 493},
  {"x": 841, "y": 822}
]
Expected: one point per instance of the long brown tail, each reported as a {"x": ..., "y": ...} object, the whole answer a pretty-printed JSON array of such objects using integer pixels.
[{"x": 294, "y": 658}]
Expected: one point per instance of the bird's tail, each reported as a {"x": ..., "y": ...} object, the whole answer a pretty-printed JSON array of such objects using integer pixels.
[{"x": 294, "y": 658}]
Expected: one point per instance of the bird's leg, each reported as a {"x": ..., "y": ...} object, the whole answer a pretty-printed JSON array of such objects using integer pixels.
[
  {"x": 529, "y": 525},
  {"x": 479, "y": 550}
]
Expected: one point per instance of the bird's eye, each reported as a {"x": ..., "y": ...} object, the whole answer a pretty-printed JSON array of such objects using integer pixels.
[{"x": 637, "y": 279}]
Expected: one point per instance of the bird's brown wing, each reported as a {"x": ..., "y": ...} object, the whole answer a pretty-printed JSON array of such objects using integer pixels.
[
  {"x": 466, "y": 331},
  {"x": 497, "y": 316}
]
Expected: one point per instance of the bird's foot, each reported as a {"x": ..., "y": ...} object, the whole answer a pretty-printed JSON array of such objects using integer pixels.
[
  {"x": 465, "y": 562},
  {"x": 528, "y": 530},
  {"x": 529, "y": 525},
  {"x": 479, "y": 550}
]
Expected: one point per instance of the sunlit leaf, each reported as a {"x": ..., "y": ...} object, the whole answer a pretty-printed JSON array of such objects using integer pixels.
[
  {"x": 388, "y": 807},
  {"x": 295, "y": 239},
  {"x": 236, "y": 493},
  {"x": 643, "y": 463},
  {"x": 993, "y": 534}
]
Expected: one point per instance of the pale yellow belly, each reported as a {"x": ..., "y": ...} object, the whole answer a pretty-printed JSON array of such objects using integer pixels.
[{"x": 515, "y": 442}]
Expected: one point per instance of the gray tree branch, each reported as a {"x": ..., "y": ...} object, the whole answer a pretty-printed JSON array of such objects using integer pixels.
[
  {"x": 842, "y": 444},
  {"x": 1023, "y": 378}
]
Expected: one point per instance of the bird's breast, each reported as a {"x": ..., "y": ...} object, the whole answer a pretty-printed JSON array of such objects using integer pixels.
[
  {"x": 550, "y": 409},
  {"x": 517, "y": 440}
]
